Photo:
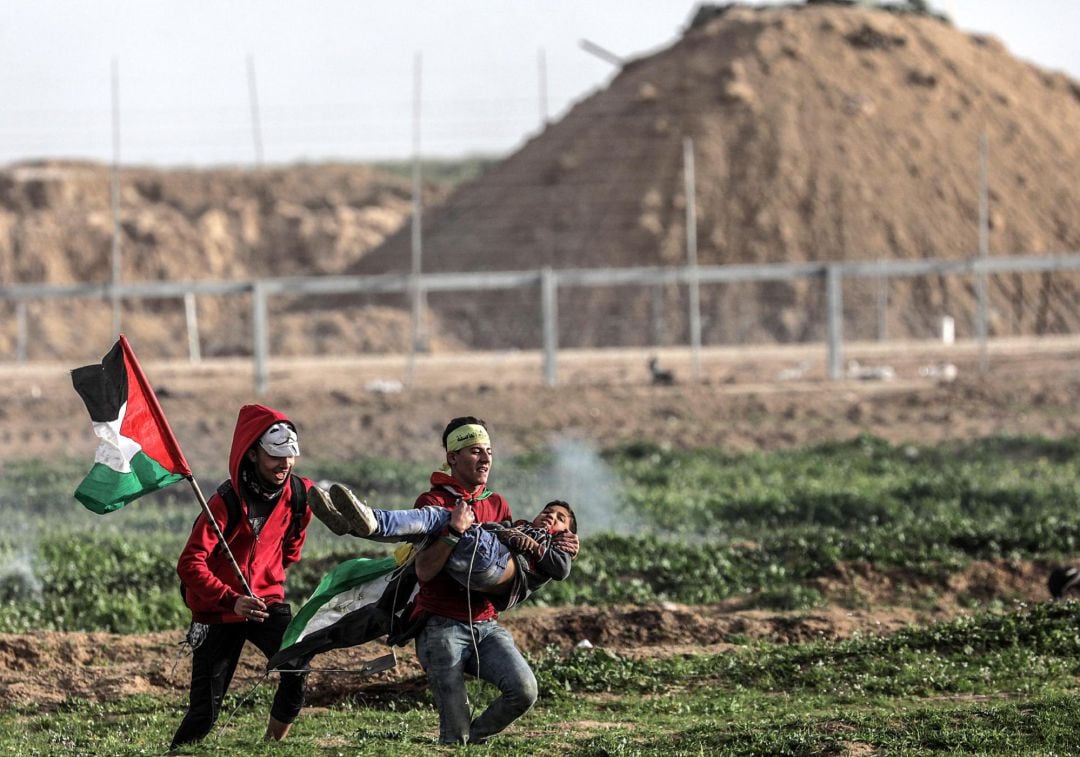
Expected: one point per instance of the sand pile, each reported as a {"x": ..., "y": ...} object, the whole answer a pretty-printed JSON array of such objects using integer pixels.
[{"x": 820, "y": 133}]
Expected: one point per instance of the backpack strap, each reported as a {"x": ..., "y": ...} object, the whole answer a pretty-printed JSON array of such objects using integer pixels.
[
  {"x": 298, "y": 506},
  {"x": 232, "y": 509}
]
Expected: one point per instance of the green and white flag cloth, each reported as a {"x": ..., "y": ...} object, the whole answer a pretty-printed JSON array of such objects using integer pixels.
[{"x": 353, "y": 604}]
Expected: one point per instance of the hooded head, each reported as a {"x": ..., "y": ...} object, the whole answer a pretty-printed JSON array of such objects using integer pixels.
[{"x": 258, "y": 424}]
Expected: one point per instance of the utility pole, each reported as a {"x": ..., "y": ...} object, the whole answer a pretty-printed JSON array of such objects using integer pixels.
[
  {"x": 981, "y": 278},
  {"x": 691, "y": 256},
  {"x": 115, "y": 180},
  {"x": 541, "y": 65},
  {"x": 256, "y": 124},
  {"x": 418, "y": 341}
]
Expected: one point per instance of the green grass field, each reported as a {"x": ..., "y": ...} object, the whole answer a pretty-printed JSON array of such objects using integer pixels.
[{"x": 702, "y": 527}]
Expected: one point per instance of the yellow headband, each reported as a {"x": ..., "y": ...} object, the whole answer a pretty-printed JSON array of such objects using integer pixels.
[{"x": 468, "y": 435}]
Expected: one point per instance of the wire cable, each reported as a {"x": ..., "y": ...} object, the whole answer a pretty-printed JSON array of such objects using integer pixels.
[
  {"x": 468, "y": 602},
  {"x": 241, "y": 703}
]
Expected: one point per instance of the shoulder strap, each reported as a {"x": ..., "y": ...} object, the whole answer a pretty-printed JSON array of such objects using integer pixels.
[
  {"x": 232, "y": 508},
  {"x": 298, "y": 506}
]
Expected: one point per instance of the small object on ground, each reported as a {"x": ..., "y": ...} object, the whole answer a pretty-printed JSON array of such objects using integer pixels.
[
  {"x": 945, "y": 372},
  {"x": 793, "y": 374},
  {"x": 384, "y": 386},
  {"x": 870, "y": 372},
  {"x": 1063, "y": 580},
  {"x": 660, "y": 376}
]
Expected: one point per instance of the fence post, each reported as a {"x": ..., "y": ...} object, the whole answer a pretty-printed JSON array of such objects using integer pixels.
[
  {"x": 882, "y": 307},
  {"x": 982, "y": 278},
  {"x": 691, "y": 257},
  {"x": 114, "y": 177},
  {"x": 259, "y": 335},
  {"x": 21, "y": 332},
  {"x": 192, "y": 319},
  {"x": 549, "y": 313},
  {"x": 834, "y": 319}
]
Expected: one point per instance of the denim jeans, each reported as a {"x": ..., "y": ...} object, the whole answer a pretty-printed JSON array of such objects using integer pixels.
[
  {"x": 446, "y": 651},
  {"x": 479, "y": 559},
  {"x": 412, "y": 524}
]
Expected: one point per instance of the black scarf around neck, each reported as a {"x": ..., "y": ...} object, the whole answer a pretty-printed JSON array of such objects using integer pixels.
[{"x": 255, "y": 488}]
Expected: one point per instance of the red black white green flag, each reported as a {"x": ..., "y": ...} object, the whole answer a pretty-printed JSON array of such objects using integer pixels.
[{"x": 137, "y": 453}]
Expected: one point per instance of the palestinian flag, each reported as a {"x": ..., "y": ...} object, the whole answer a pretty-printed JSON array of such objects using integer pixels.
[
  {"x": 138, "y": 453},
  {"x": 358, "y": 601}
]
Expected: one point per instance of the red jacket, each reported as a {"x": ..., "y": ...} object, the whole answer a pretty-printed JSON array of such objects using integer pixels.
[
  {"x": 211, "y": 585},
  {"x": 443, "y": 595}
]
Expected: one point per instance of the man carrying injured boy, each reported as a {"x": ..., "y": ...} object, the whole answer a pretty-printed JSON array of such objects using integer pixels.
[
  {"x": 459, "y": 633},
  {"x": 483, "y": 554}
]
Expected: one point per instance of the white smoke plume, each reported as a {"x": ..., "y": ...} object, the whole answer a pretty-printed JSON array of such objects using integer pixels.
[
  {"x": 17, "y": 577},
  {"x": 579, "y": 476}
]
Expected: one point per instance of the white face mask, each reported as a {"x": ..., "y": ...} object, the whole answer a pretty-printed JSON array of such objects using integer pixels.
[{"x": 280, "y": 441}]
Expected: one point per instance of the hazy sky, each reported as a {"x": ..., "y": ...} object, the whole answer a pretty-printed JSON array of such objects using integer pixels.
[{"x": 335, "y": 78}]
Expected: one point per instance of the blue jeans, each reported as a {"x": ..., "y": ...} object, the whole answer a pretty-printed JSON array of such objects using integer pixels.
[
  {"x": 479, "y": 559},
  {"x": 445, "y": 650}
]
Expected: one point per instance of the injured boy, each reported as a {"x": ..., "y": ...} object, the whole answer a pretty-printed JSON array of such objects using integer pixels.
[{"x": 483, "y": 554}]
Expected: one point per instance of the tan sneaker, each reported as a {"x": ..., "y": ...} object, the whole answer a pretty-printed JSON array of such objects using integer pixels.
[
  {"x": 323, "y": 509},
  {"x": 517, "y": 541},
  {"x": 359, "y": 516}
]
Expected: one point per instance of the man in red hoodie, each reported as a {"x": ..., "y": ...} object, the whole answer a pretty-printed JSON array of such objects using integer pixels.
[
  {"x": 265, "y": 537},
  {"x": 462, "y": 634}
]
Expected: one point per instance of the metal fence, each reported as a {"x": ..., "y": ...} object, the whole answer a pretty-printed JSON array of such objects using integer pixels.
[{"x": 545, "y": 285}]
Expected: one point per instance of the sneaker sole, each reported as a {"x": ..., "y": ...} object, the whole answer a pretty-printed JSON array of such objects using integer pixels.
[
  {"x": 323, "y": 509},
  {"x": 359, "y": 516}
]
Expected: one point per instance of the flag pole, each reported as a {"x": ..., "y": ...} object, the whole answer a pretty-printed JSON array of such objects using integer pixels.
[
  {"x": 170, "y": 439},
  {"x": 167, "y": 433},
  {"x": 220, "y": 535}
]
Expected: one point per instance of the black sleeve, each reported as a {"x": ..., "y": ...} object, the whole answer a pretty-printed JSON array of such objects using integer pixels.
[{"x": 554, "y": 564}]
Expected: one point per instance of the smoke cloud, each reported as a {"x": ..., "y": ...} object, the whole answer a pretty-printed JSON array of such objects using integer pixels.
[
  {"x": 18, "y": 579},
  {"x": 578, "y": 475}
]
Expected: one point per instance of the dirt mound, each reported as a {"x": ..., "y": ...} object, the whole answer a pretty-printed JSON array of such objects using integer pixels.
[
  {"x": 193, "y": 224},
  {"x": 820, "y": 133},
  {"x": 56, "y": 227},
  {"x": 45, "y": 668}
]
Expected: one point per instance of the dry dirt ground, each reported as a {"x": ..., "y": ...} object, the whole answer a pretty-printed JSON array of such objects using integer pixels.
[
  {"x": 46, "y": 668},
  {"x": 747, "y": 398},
  {"x": 760, "y": 398}
]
